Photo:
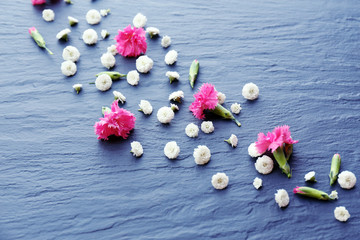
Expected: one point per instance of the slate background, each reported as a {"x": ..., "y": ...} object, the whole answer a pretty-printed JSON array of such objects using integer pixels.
[{"x": 59, "y": 182}]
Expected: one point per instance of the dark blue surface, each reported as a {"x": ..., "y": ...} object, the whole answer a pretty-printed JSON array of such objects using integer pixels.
[{"x": 59, "y": 182}]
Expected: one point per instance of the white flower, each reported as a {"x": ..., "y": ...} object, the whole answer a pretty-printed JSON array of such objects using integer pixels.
[
  {"x": 144, "y": 64},
  {"x": 153, "y": 31},
  {"x": 145, "y": 107},
  {"x": 107, "y": 60},
  {"x": 220, "y": 180},
  {"x": 174, "y": 107},
  {"x": 171, "y": 57},
  {"x": 104, "y": 12},
  {"x": 252, "y": 150},
  {"x": 63, "y": 34},
  {"x": 172, "y": 76},
  {"x": 139, "y": 20},
  {"x": 90, "y": 36},
  {"x": 93, "y": 17},
  {"x": 165, "y": 115},
  {"x": 68, "y": 68},
  {"x": 72, "y": 21},
  {"x": 48, "y": 15},
  {"x": 133, "y": 77},
  {"x": 71, "y": 53},
  {"x": 192, "y": 130},
  {"x": 136, "y": 149},
  {"x": 334, "y": 195},
  {"x": 202, "y": 155},
  {"x": 103, "y": 82},
  {"x": 257, "y": 183},
  {"x": 264, "y": 165},
  {"x": 235, "y": 108},
  {"x": 233, "y": 140},
  {"x": 347, "y": 179},
  {"x": 250, "y": 91},
  {"x": 77, "y": 87},
  {"x": 282, "y": 198},
  {"x": 207, "y": 126},
  {"x": 119, "y": 96},
  {"x": 176, "y": 96},
  {"x": 104, "y": 33},
  {"x": 171, "y": 150},
  {"x": 221, "y": 97},
  {"x": 165, "y": 41},
  {"x": 341, "y": 214},
  {"x": 112, "y": 49},
  {"x": 310, "y": 176}
]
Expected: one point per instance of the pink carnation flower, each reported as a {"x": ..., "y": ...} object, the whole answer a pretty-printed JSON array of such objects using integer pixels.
[
  {"x": 37, "y": 2},
  {"x": 205, "y": 98},
  {"x": 118, "y": 122},
  {"x": 131, "y": 42}
]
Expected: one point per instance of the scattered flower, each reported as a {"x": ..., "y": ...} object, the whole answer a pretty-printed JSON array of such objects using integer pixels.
[
  {"x": 207, "y": 126},
  {"x": 165, "y": 115},
  {"x": 253, "y": 152},
  {"x": 145, "y": 107},
  {"x": 341, "y": 214},
  {"x": 171, "y": 57},
  {"x": 139, "y": 20},
  {"x": 63, "y": 34},
  {"x": 133, "y": 78},
  {"x": 171, "y": 150},
  {"x": 38, "y": 2},
  {"x": 118, "y": 122},
  {"x": 165, "y": 41},
  {"x": 176, "y": 96},
  {"x": 48, "y": 15},
  {"x": 314, "y": 193},
  {"x": 112, "y": 49},
  {"x": 93, "y": 17},
  {"x": 334, "y": 195},
  {"x": 38, "y": 38},
  {"x": 174, "y": 107},
  {"x": 335, "y": 168},
  {"x": 282, "y": 198},
  {"x": 235, "y": 108},
  {"x": 144, "y": 64},
  {"x": 310, "y": 177},
  {"x": 108, "y": 60},
  {"x": 221, "y": 97},
  {"x": 250, "y": 91},
  {"x": 192, "y": 130},
  {"x": 77, "y": 87},
  {"x": 136, "y": 149},
  {"x": 202, "y": 155},
  {"x": 104, "y": 33},
  {"x": 264, "y": 164},
  {"x": 220, "y": 181},
  {"x": 68, "y": 68},
  {"x": 347, "y": 179},
  {"x": 90, "y": 36},
  {"x": 233, "y": 140},
  {"x": 119, "y": 97},
  {"x": 72, "y": 21},
  {"x": 104, "y": 12},
  {"x": 193, "y": 72},
  {"x": 103, "y": 82},
  {"x": 172, "y": 76},
  {"x": 71, "y": 53},
  {"x": 152, "y": 31},
  {"x": 257, "y": 183},
  {"x": 131, "y": 42}
]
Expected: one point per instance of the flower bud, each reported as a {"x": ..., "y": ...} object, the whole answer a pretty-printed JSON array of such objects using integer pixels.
[
  {"x": 113, "y": 75},
  {"x": 314, "y": 193},
  {"x": 193, "y": 72},
  {"x": 335, "y": 167},
  {"x": 38, "y": 38}
]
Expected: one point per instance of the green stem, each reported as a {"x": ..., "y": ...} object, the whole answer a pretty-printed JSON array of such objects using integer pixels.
[
  {"x": 223, "y": 112},
  {"x": 281, "y": 160},
  {"x": 48, "y": 50}
]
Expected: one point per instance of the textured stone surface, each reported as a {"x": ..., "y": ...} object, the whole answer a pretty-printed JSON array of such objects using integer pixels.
[{"x": 59, "y": 182}]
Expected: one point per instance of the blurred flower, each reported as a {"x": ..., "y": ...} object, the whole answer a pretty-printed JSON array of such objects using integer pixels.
[
  {"x": 152, "y": 31},
  {"x": 104, "y": 12},
  {"x": 38, "y": 2},
  {"x": 139, "y": 20},
  {"x": 221, "y": 97},
  {"x": 93, "y": 17},
  {"x": 63, "y": 34},
  {"x": 72, "y": 21},
  {"x": 104, "y": 33},
  {"x": 112, "y": 49},
  {"x": 48, "y": 15},
  {"x": 77, "y": 87}
]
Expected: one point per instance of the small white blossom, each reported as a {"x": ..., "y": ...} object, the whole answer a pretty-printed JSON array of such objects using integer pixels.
[
  {"x": 68, "y": 68},
  {"x": 257, "y": 183},
  {"x": 133, "y": 77},
  {"x": 192, "y": 130},
  {"x": 93, "y": 17},
  {"x": 171, "y": 57},
  {"x": 136, "y": 149},
  {"x": 104, "y": 12},
  {"x": 152, "y": 31},
  {"x": 90, "y": 36},
  {"x": 165, "y": 115},
  {"x": 63, "y": 34},
  {"x": 264, "y": 165},
  {"x": 72, "y": 21},
  {"x": 103, "y": 82},
  {"x": 176, "y": 96},
  {"x": 252, "y": 150},
  {"x": 220, "y": 180},
  {"x": 221, "y": 97},
  {"x": 282, "y": 198},
  {"x": 172, "y": 76},
  {"x": 341, "y": 214},
  {"x": 71, "y": 53},
  {"x": 104, "y": 33},
  {"x": 202, "y": 155},
  {"x": 334, "y": 195},
  {"x": 207, "y": 126},
  {"x": 250, "y": 91},
  {"x": 77, "y": 87},
  {"x": 165, "y": 41},
  {"x": 144, "y": 64},
  {"x": 235, "y": 108},
  {"x": 174, "y": 107},
  {"x": 310, "y": 176},
  {"x": 112, "y": 49},
  {"x": 139, "y": 20},
  {"x": 233, "y": 140},
  {"x": 171, "y": 150},
  {"x": 108, "y": 60},
  {"x": 48, "y": 15},
  {"x": 347, "y": 179},
  {"x": 145, "y": 107},
  {"x": 119, "y": 96}
]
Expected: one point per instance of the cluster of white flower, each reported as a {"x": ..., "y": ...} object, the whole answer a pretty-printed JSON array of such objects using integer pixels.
[
  {"x": 192, "y": 130},
  {"x": 77, "y": 87},
  {"x": 63, "y": 34},
  {"x": 233, "y": 140},
  {"x": 282, "y": 198},
  {"x": 93, "y": 17},
  {"x": 48, "y": 15},
  {"x": 68, "y": 68},
  {"x": 144, "y": 64},
  {"x": 176, "y": 96},
  {"x": 133, "y": 78},
  {"x": 119, "y": 96},
  {"x": 257, "y": 183},
  {"x": 104, "y": 33},
  {"x": 250, "y": 91},
  {"x": 145, "y": 107},
  {"x": 310, "y": 176},
  {"x": 220, "y": 181},
  {"x": 165, "y": 41},
  {"x": 103, "y": 82},
  {"x": 252, "y": 150},
  {"x": 90, "y": 36},
  {"x": 235, "y": 108},
  {"x": 221, "y": 97},
  {"x": 341, "y": 214},
  {"x": 72, "y": 21},
  {"x": 165, "y": 115},
  {"x": 264, "y": 165},
  {"x": 112, "y": 49},
  {"x": 171, "y": 57},
  {"x": 71, "y": 53},
  {"x": 136, "y": 149},
  {"x": 202, "y": 155},
  {"x": 347, "y": 179},
  {"x": 108, "y": 60},
  {"x": 172, "y": 76},
  {"x": 152, "y": 31},
  {"x": 207, "y": 126},
  {"x": 171, "y": 150},
  {"x": 104, "y": 12},
  {"x": 139, "y": 20}
]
